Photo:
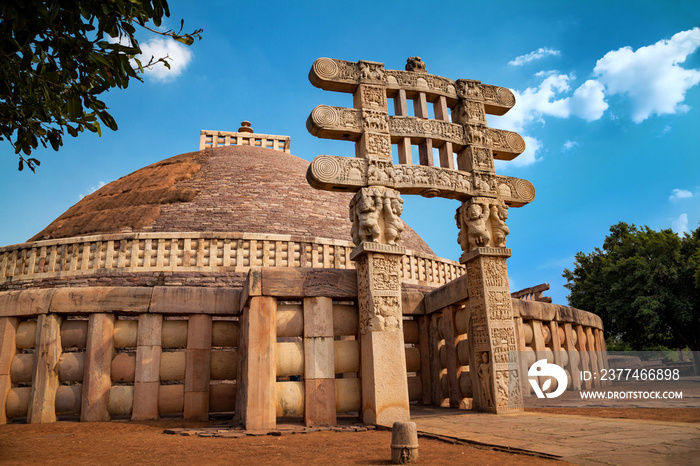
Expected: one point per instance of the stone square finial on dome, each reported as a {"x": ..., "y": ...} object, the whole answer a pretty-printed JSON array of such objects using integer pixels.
[{"x": 245, "y": 136}]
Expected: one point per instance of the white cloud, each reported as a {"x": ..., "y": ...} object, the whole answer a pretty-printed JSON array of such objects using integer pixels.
[
  {"x": 533, "y": 104},
  {"x": 652, "y": 76},
  {"x": 545, "y": 73},
  {"x": 587, "y": 102},
  {"x": 680, "y": 194},
  {"x": 92, "y": 189},
  {"x": 178, "y": 56},
  {"x": 568, "y": 145},
  {"x": 680, "y": 225},
  {"x": 532, "y": 56}
]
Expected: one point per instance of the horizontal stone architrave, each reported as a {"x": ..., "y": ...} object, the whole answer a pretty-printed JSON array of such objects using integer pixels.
[
  {"x": 120, "y": 300},
  {"x": 116, "y": 254},
  {"x": 266, "y": 281},
  {"x": 25, "y": 302},
  {"x": 308, "y": 282},
  {"x": 344, "y": 76},
  {"x": 82, "y": 300},
  {"x": 179, "y": 300}
]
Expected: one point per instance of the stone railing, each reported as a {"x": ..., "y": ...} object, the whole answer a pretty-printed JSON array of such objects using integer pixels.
[
  {"x": 534, "y": 293},
  {"x": 209, "y": 139},
  {"x": 197, "y": 252}
]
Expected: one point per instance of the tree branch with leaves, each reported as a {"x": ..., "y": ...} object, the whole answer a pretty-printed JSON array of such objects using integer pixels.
[{"x": 56, "y": 59}]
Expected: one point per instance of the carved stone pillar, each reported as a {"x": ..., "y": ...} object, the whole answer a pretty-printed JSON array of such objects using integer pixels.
[
  {"x": 384, "y": 383},
  {"x": 495, "y": 377},
  {"x": 493, "y": 348},
  {"x": 376, "y": 227}
]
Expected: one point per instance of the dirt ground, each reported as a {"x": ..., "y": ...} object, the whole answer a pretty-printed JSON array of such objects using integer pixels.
[
  {"x": 121, "y": 442},
  {"x": 145, "y": 443}
]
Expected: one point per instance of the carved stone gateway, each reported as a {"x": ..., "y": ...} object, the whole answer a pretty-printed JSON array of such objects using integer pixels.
[{"x": 458, "y": 132}]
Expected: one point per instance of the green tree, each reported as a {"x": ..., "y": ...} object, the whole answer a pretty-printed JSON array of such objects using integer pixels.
[
  {"x": 57, "y": 57},
  {"x": 644, "y": 284}
]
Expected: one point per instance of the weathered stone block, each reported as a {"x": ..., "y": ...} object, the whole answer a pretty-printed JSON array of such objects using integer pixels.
[
  {"x": 124, "y": 367},
  {"x": 147, "y": 364},
  {"x": 318, "y": 358},
  {"x": 199, "y": 332},
  {"x": 45, "y": 380},
  {"x": 320, "y": 402},
  {"x": 145, "y": 401},
  {"x": 318, "y": 317},
  {"x": 197, "y": 370},
  {"x": 150, "y": 329},
  {"x": 196, "y": 406}
]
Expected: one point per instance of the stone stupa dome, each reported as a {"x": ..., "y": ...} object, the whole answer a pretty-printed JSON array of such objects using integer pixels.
[{"x": 222, "y": 189}]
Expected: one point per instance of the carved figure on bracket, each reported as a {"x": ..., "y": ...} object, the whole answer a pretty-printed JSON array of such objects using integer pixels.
[
  {"x": 367, "y": 213},
  {"x": 499, "y": 215},
  {"x": 393, "y": 226},
  {"x": 375, "y": 214},
  {"x": 415, "y": 64},
  {"x": 462, "y": 238},
  {"x": 477, "y": 229}
]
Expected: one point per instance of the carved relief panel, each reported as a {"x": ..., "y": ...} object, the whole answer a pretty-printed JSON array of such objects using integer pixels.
[{"x": 379, "y": 292}]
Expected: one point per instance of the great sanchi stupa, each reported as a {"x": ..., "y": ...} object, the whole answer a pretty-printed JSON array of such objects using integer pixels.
[{"x": 242, "y": 280}]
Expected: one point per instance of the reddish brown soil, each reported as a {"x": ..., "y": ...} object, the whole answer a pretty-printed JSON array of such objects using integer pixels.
[
  {"x": 121, "y": 442},
  {"x": 145, "y": 443}
]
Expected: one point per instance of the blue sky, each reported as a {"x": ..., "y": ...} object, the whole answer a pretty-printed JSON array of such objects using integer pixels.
[{"x": 608, "y": 100}]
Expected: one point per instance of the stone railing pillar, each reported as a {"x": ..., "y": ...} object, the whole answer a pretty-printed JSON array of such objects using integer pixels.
[
  {"x": 198, "y": 367},
  {"x": 319, "y": 362},
  {"x": 8, "y": 348},
  {"x": 97, "y": 379},
  {"x": 42, "y": 405},
  {"x": 147, "y": 375},
  {"x": 257, "y": 366}
]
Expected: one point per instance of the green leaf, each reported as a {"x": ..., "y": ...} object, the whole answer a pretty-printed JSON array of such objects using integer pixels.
[
  {"x": 108, "y": 120},
  {"x": 187, "y": 40}
]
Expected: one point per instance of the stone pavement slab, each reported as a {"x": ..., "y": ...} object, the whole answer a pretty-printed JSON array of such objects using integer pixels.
[{"x": 577, "y": 439}]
